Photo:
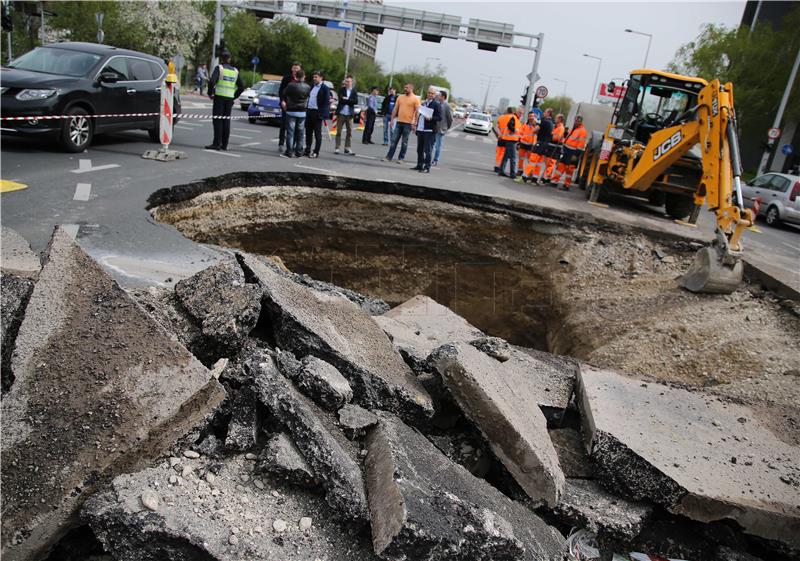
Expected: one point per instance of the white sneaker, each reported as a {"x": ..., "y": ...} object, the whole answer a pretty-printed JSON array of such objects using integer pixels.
[{"x": 335, "y": 150}]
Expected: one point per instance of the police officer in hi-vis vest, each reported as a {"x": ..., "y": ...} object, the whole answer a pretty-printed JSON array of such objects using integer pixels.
[{"x": 224, "y": 86}]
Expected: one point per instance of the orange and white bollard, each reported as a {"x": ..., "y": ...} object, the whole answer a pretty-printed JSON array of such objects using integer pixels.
[{"x": 166, "y": 120}]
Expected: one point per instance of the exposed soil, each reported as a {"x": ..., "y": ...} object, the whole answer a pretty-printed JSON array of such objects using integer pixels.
[{"x": 610, "y": 298}]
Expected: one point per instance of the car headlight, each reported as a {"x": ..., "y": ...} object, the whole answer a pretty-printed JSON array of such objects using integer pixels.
[{"x": 30, "y": 95}]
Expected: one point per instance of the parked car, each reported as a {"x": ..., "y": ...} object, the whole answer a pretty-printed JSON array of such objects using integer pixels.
[
  {"x": 248, "y": 94},
  {"x": 266, "y": 105},
  {"x": 779, "y": 195},
  {"x": 478, "y": 122},
  {"x": 79, "y": 80}
]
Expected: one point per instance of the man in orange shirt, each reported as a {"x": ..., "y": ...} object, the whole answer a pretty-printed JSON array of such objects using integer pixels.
[
  {"x": 574, "y": 146},
  {"x": 403, "y": 118},
  {"x": 555, "y": 148}
]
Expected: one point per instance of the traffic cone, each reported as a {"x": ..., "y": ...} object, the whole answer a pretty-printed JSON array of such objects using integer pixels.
[
  {"x": 333, "y": 128},
  {"x": 361, "y": 121}
]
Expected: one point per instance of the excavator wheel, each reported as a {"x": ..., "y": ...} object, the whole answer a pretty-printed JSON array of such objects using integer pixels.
[{"x": 711, "y": 274}]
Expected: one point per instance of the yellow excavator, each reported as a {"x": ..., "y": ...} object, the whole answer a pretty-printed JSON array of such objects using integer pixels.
[{"x": 672, "y": 139}]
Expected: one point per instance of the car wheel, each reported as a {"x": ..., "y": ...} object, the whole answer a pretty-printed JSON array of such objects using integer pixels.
[
  {"x": 251, "y": 120},
  {"x": 244, "y": 107},
  {"x": 678, "y": 205},
  {"x": 76, "y": 131},
  {"x": 773, "y": 218}
]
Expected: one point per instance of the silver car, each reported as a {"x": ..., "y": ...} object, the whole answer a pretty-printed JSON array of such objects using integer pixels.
[
  {"x": 478, "y": 122},
  {"x": 248, "y": 94},
  {"x": 779, "y": 196}
]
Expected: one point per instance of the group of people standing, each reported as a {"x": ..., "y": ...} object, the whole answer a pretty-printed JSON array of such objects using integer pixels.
[{"x": 548, "y": 152}]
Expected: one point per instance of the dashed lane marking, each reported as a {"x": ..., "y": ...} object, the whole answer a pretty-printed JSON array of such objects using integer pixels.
[
  {"x": 794, "y": 247},
  {"x": 223, "y": 153},
  {"x": 85, "y": 166},
  {"x": 488, "y": 141},
  {"x": 82, "y": 192},
  {"x": 249, "y": 144},
  {"x": 241, "y": 136},
  {"x": 184, "y": 128},
  {"x": 472, "y": 138},
  {"x": 7, "y": 186},
  {"x": 367, "y": 157}
]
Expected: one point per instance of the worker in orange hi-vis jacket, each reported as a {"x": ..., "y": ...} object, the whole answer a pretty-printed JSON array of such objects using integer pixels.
[
  {"x": 543, "y": 132},
  {"x": 555, "y": 148},
  {"x": 527, "y": 137},
  {"x": 500, "y": 149},
  {"x": 574, "y": 145}
]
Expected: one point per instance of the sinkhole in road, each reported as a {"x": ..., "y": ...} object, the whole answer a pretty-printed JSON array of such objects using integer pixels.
[{"x": 560, "y": 282}]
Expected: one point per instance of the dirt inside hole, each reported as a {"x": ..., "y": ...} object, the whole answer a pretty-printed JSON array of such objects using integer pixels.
[{"x": 604, "y": 296}]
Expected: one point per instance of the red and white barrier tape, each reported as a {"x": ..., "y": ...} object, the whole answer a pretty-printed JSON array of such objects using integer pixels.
[{"x": 178, "y": 116}]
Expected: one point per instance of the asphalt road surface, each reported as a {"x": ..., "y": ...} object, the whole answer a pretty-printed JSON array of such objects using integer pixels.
[{"x": 100, "y": 194}]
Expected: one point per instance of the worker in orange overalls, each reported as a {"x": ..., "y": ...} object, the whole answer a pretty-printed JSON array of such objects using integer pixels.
[
  {"x": 509, "y": 127},
  {"x": 542, "y": 131},
  {"x": 574, "y": 145},
  {"x": 527, "y": 137},
  {"x": 500, "y": 149},
  {"x": 555, "y": 148}
]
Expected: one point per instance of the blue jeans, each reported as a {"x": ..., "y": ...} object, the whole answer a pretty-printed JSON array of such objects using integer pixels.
[
  {"x": 386, "y": 119},
  {"x": 510, "y": 156},
  {"x": 294, "y": 135},
  {"x": 437, "y": 147},
  {"x": 402, "y": 130}
]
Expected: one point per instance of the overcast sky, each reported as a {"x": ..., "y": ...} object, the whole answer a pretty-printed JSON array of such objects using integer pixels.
[{"x": 570, "y": 29}]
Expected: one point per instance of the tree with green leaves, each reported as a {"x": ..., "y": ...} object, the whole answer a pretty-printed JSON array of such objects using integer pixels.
[
  {"x": 559, "y": 104},
  {"x": 757, "y": 63}
]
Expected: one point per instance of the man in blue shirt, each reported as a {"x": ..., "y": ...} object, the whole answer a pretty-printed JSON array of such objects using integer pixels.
[
  {"x": 386, "y": 108},
  {"x": 372, "y": 111},
  {"x": 319, "y": 110},
  {"x": 345, "y": 111}
]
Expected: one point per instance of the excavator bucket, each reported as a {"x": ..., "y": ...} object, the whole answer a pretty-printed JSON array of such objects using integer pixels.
[{"x": 713, "y": 273}]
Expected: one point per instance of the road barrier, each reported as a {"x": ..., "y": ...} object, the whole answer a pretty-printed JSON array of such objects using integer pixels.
[{"x": 118, "y": 115}]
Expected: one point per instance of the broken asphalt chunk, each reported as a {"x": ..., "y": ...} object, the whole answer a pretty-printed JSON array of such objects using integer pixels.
[
  {"x": 502, "y": 400},
  {"x": 674, "y": 447},
  {"x": 309, "y": 322},
  {"x": 99, "y": 388},
  {"x": 423, "y": 506},
  {"x": 281, "y": 459}
]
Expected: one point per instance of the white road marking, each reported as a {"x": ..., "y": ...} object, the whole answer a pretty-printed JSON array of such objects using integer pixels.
[
  {"x": 82, "y": 192},
  {"x": 454, "y": 134},
  {"x": 85, "y": 166},
  {"x": 367, "y": 157},
  {"x": 241, "y": 136},
  {"x": 488, "y": 141},
  {"x": 794, "y": 247},
  {"x": 182, "y": 127},
  {"x": 242, "y": 130},
  {"x": 188, "y": 124},
  {"x": 222, "y": 153},
  {"x": 249, "y": 144},
  {"x": 469, "y": 138},
  {"x": 71, "y": 230},
  {"x": 275, "y": 140},
  {"x": 315, "y": 169}
]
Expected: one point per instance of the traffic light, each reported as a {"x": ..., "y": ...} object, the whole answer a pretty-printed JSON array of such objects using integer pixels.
[
  {"x": 524, "y": 99},
  {"x": 8, "y": 25}
]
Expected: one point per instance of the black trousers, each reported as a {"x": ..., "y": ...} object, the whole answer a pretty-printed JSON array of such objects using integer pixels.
[
  {"x": 313, "y": 130},
  {"x": 222, "y": 127},
  {"x": 282, "y": 134},
  {"x": 369, "y": 126},
  {"x": 425, "y": 142}
]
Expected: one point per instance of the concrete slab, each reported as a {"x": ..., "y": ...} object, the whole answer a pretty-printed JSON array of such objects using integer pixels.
[
  {"x": 501, "y": 399},
  {"x": 420, "y": 325},
  {"x": 332, "y": 459},
  {"x": 572, "y": 456},
  {"x": 697, "y": 455},
  {"x": 218, "y": 511},
  {"x": 334, "y": 329},
  {"x": 100, "y": 388},
  {"x": 423, "y": 506},
  {"x": 16, "y": 256}
]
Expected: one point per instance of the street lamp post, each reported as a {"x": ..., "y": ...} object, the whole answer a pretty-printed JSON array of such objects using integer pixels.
[
  {"x": 597, "y": 76},
  {"x": 564, "y": 95},
  {"x": 488, "y": 87},
  {"x": 394, "y": 57},
  {"x": 649, "y": 40}
]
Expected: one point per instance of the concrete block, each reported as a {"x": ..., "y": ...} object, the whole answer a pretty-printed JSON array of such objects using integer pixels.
[
  {"x": 281, "y": 459},
  {"x": 425, "y": 507},
  {"x": 697, "y": 455},
  {"x": 309, "y": 322},
  {"x": 100, "y": 388},
  {"x": 502, "y": 400}
]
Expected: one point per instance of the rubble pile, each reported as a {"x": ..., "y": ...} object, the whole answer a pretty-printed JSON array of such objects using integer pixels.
[{"x": 310, "y": 423}]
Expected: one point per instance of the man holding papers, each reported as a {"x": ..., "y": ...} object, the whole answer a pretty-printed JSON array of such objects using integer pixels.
[{"x": 428, "y": 115}]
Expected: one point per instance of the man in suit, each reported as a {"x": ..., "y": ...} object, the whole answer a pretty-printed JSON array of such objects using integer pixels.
[
  {"x": 442, "y": 128},
  {"x": 345, "y": 111},
  {"x": 319, "y": 110},
  {"x": 426, "y": 131},
  {"x": 372, "y": 112}
]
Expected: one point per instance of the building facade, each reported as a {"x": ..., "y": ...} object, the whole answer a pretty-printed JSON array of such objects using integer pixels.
[{"x": 364, "y": 44}]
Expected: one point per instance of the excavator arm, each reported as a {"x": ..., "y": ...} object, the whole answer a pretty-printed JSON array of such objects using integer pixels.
[{"x": 718, "y": 268}]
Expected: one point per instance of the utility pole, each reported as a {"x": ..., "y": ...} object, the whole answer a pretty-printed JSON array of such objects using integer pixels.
[
  {"x": 394, "y": 57},
  {"x": 755, "y": 17},
  {"x": 348, "y": 46},
  {"x": 596, "y": 76},
  {"x": 217, "y": 37},
  {"x": 779, "y": 115},
  {"x": 488, "y": 88},
  {"x": 534, "y": 76}
]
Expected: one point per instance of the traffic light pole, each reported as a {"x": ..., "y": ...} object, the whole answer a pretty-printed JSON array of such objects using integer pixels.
[
  {"x": 534, "y": 73},
  {"x": 217, "y": 36},
  {"x": 779, "y": 115}
]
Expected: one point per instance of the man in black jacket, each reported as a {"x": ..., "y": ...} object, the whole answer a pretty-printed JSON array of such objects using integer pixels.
[
  {"x": 386, "y": 110},
  {"x": 319, "y": 110},
  {"x": 345, "y": 111},
  {"x": 224, "y": 86},
  {"x": 285, "y": 81},
  {"x": 296, "y": 101},
  {"x": 426, "y": 130}
]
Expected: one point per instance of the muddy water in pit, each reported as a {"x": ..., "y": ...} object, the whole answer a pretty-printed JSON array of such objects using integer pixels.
[{"x": 603, "y": 297}]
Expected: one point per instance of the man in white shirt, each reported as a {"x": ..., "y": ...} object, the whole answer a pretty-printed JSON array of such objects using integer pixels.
[{"x": 348, "y": 99}]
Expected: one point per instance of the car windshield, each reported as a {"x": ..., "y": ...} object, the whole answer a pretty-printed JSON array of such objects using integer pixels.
[
  {"x": 270, "y": 88},
  {"x": 57, "y": 61},
  {"x": 479, "y": 117}
]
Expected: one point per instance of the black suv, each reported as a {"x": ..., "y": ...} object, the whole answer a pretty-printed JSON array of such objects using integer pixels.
[{"x": 80, "y": 79}]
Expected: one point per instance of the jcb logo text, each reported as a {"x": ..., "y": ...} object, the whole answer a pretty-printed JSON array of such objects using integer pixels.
[{"x": 667, "y": 145}]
